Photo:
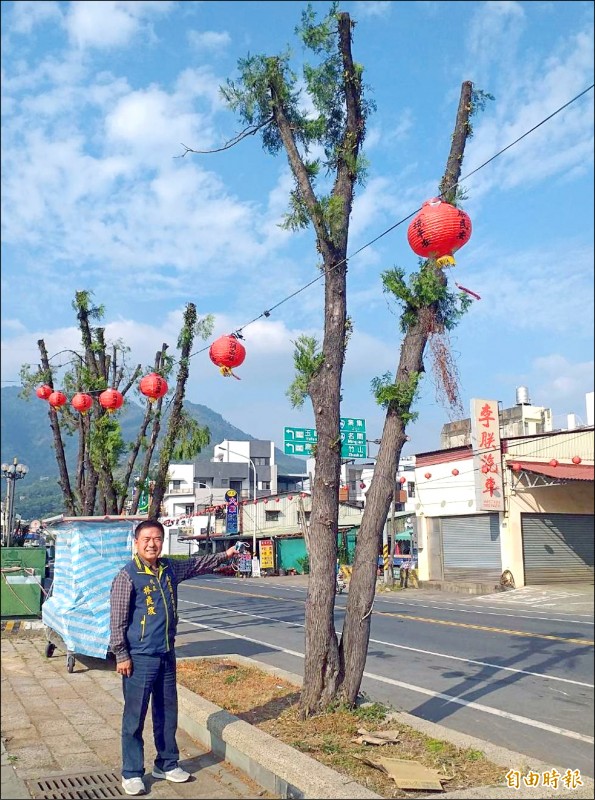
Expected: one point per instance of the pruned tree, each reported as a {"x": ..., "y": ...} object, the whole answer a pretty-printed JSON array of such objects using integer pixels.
[
  {"x": 430, "y": 310},
  {"x": 267, "y": 99},
  {"x": 100, "y": 484}
]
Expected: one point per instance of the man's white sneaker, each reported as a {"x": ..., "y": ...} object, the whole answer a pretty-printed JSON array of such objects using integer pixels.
[
  {"x": 133, "y": 785},
  {"x": 177, "y": 775}
]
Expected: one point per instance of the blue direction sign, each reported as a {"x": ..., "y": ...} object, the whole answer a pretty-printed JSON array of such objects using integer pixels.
[{"x": 299, "y": 441}]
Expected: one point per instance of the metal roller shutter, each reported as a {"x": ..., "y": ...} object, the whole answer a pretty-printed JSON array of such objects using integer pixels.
[
  {"x": 176, "y": 547},
  {"x": 557, "y": 547},
  {"x": 471, "y": 548}
]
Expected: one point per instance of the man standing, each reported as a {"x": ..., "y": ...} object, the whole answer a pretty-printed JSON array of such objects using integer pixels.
[{"x": 143, "y": 623}]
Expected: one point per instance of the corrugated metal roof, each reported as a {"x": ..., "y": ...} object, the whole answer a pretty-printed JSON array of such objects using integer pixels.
[{"x": 573, "y": 472}]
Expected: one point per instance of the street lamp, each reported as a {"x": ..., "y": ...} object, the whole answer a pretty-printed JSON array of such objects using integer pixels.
[
  {"x": 12, "y": 472},
  {"x": 241, "y": 455}
]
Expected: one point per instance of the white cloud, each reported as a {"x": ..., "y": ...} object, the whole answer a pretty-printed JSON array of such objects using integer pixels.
[
  {"x": 372, "y": 8},
  {"x": 209, "y": 40},
  {"x": 109, "y": 23},
  {"x": 27, "y": 14}
]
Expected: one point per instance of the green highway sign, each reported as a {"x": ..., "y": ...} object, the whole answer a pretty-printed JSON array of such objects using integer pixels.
[{"x": 299, "y": 441}]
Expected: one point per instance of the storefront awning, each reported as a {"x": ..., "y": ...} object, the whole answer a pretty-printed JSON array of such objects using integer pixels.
[{"x": 567, "y": 472}]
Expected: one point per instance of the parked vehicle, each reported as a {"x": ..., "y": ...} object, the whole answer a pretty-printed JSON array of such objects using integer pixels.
[{"x": 340, "y": 584}]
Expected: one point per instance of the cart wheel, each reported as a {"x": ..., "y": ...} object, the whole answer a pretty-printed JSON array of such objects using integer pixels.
[
  {"x": 70, "y": 663},
  {"x": 49, "y": 649}
]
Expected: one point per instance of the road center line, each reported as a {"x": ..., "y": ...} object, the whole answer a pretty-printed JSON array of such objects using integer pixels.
[
  {"x": 430, "y": 620},
  {"x": 402, "y": 647},
  {"x": 419, "y": 689}
]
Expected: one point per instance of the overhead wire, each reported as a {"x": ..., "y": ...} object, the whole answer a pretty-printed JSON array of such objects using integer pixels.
[{"x": 388, "y": 230}]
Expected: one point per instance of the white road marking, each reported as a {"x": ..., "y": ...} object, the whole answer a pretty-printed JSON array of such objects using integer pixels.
[
  {"x": 419, "y": 689},
  {"x": 402, "y": 647}
]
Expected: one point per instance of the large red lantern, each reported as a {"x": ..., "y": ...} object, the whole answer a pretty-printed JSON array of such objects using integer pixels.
[
  {"x": 438, "y": 230},
  {"x": 153, "y": 386},
  {"x": 43, "y": 392},
  {"x": 57, "y": 399},
  {"x": 82, "y": 402},
  {"x": 111, "y": 400},
  {"x": 227, "y": 352}
]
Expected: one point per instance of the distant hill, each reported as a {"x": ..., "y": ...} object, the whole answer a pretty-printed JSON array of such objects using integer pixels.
[{"x": 26, "y": 434}]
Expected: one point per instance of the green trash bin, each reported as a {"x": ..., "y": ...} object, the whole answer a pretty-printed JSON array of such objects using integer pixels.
[{"x": 23, "y": 570}]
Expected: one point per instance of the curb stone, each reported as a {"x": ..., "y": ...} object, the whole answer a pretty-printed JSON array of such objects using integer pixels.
[{"x": 289, "y": 773}]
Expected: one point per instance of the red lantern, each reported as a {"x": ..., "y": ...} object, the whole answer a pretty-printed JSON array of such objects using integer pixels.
[
  {"x": 43, "y": 392},
  {"x": 111, "y": 400},
  {"x": 227, "y": 352},
  {"x": 290, "y": 497},
  {"x": 402, "y": 479},
  {"x": 278, "y": 500},
  {"x": 82, "y": 402},
  {"x": 455, "y": 472},
  {"x": 428, "y": 475},
  {"x": 438, "y": 231},
  {"x": 554, "y": 462},
  {"x": 153, "y": 386},
  {"x": 362, "y": 485},
  {"x": 515, "y": 467},
  {"x": 57, "y": 399},
  {"x": 577, "y": 460}
]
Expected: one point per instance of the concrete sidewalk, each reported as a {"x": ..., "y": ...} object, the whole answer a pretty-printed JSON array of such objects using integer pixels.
[{"x": 56, "y": 724}]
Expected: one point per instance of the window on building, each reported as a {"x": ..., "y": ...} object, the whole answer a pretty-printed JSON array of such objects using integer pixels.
[
  {"x": 176, "y": 486},
  {"x": 224, "y": 481},
  {"x": 261, "y": 461},
  {"x": 265, "y": 485},
  {"x": 353, "y": 486},
  {"x": 411, "y": 489},
  {"x": 188, "y": 510},
  {"x": 272, "y": 516},
  {"x": 307, "y": 515}
]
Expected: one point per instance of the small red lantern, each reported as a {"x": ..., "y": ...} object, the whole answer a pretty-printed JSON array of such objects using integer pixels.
[
  {"x": 111, "y": 400},
  {"x": 554, "y": 462},
  {"x": 576, "y": 460},
  {"x": 57, "y": 399},
  {"x": 515, "y": 467},
  {"x": 428, "y": 475},
  {"x": 43, "y": 392},
  {"x": 438, "y": 230},
  {"x": 153, "y": 386},
  {"x": 362, "y": 485},
  {"x": 227, "y": 352},
  {"x": 82, "y": 402},
  {"x": 402, "y": 479},
  {"x": 278, "y": 500},
  {"x": 455, "y": 472}
]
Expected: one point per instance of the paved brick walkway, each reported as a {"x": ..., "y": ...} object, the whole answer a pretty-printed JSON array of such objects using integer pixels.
[{"x": 58, "y": 722}]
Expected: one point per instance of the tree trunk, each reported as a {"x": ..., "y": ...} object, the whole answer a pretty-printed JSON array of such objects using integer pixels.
[
  {"x": 175, "y": 417},
  {"x": 322, "y": 664},
  {"x": 64, "y": 482},
  {"x": 356, "y": 628}
]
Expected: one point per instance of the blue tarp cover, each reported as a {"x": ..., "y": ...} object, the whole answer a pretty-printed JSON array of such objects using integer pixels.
[{"x": 88, "y": 556}]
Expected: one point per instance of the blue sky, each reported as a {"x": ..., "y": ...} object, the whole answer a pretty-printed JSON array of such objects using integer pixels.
[{"x": 98, "y": 96}]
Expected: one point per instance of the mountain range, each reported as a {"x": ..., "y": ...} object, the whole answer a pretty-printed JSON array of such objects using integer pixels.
[{"x": 26, "y": 434}]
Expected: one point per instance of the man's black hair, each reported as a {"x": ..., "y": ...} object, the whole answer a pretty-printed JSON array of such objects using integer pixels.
[{"x": 149, "y": 523}]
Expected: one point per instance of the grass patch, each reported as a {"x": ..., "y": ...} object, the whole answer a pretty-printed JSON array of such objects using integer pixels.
[{"x": 271, "y": 704}]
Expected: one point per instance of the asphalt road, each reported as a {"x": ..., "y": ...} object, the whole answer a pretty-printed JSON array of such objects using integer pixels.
[{"x": 518, "y": 674}]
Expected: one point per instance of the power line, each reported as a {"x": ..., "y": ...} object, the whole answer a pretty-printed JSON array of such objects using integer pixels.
[{"x": 268, "y": 311}]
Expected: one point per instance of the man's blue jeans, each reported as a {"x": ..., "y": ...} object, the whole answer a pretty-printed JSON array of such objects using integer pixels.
[{"x": 152, "y": 677}]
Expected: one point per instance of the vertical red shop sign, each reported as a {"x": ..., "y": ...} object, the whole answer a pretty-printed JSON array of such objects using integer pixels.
[{"x": 487, "y": 455}]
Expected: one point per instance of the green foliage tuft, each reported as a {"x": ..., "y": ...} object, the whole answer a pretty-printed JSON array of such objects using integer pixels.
[
  {"x": 397, "y": 396},
  {"x": 307, "y": 361}
]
